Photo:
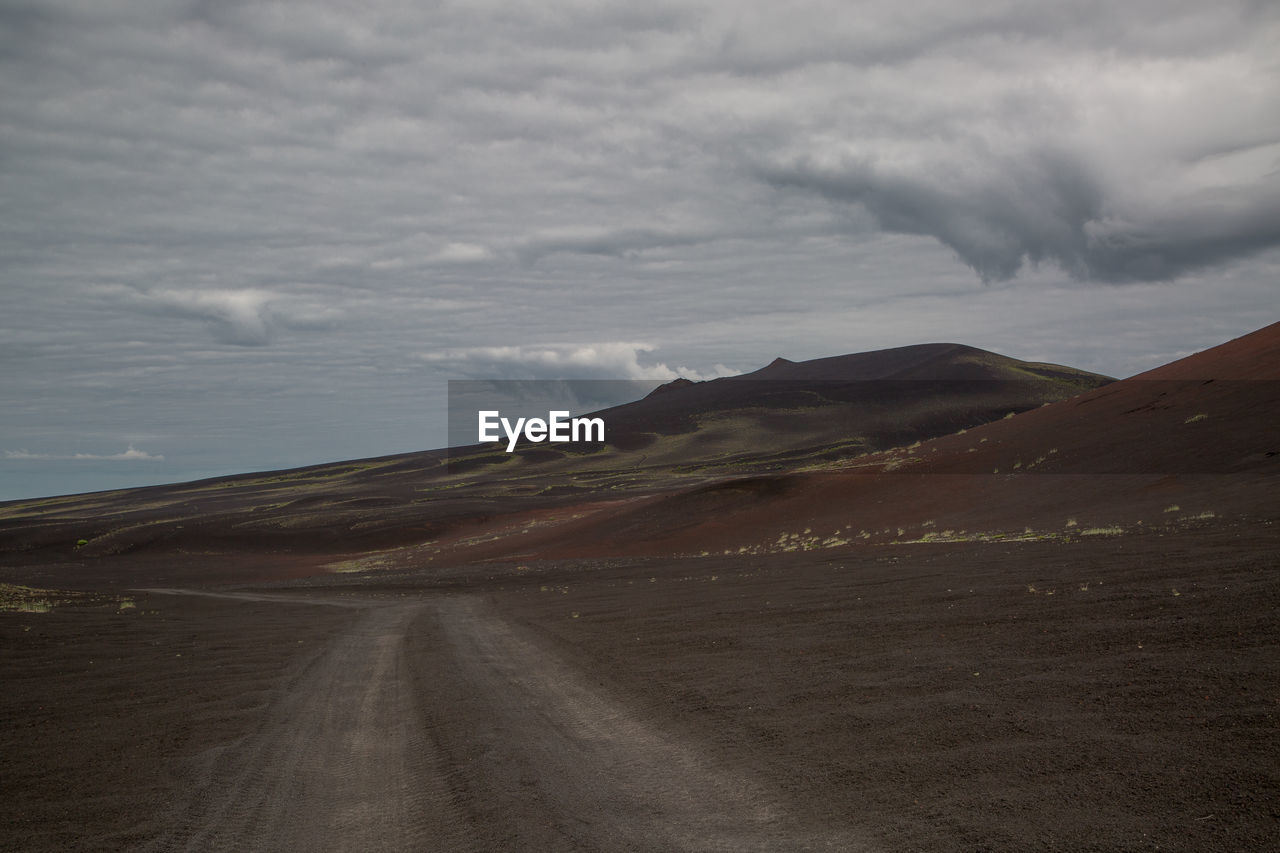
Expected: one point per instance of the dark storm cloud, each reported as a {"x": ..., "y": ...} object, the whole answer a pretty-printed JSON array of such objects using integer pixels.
[
  {"x": 1033, "y": 210},
  {"x": 1120, "y": 142},
  {"x": 1047, "y": 205}
]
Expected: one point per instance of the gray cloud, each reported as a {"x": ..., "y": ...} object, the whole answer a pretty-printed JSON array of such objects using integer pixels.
[
  {"x": 231, "y": 227},
  {"x": 246, "y": 317},
  {"x": 621, "y": 243},
  {"x": 1047, "y": 205},
  {"x": 1117, "y": 143},
  {"x": 994, "y": 217}
]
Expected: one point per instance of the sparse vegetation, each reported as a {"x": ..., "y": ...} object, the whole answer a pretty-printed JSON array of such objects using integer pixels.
[{"x": 15, "y": 598}]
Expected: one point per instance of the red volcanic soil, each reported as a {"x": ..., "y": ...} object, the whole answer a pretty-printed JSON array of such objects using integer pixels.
[{"x": 1255, "y": 356}]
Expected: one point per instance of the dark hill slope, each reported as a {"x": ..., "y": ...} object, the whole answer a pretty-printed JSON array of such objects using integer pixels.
[
  {"x": 841, "y": 406},
  {"x": 787, "y": 417},
  {"x": 1187, "y": 443}
]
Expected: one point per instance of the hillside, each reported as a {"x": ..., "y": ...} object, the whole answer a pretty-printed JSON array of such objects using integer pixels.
[
  {"x": 1186, "y": 443},
  {"x": 787, "y": 417}
]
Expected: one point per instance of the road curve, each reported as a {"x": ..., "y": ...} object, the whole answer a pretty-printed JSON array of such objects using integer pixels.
[{"x": 343, "y": 761}]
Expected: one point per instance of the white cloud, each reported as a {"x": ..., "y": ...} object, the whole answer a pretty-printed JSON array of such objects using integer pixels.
[
  {"x": 234, "y": 316},
  {"x": 244, "y": 317},
  {"x": 607, "y": 360},
  {"x": 130, "y": 455}
]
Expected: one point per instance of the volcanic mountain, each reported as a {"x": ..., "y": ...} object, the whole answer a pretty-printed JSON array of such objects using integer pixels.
[
  {"x": 839, "y": 407},
  {"x": 1186, "y": 443},
  {"x": 786, "y": 418}
]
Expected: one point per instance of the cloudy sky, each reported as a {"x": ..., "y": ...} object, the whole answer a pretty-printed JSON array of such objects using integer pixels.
[{"x": 248, "y": 235}]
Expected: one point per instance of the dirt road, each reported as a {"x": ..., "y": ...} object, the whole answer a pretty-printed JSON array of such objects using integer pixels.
[
  {"x": 341, "y": 762},
  {"x": 344, "y": 761},
  {"x": 586, "y": 772}
]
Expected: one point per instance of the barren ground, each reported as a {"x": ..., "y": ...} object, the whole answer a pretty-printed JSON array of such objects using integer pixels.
[{"x": 1114, "y": 694}]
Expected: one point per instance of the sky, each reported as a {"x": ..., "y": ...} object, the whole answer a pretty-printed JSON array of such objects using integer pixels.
[{"x": 241, "y": 236}]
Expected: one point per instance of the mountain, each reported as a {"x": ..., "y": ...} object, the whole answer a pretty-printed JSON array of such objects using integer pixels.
[
  {"x": 789, "y": 413},
  {"x": 929, "y": 443},
  {"x": 1186, "y": 443},
  {"x": 1056, "y": 629}
]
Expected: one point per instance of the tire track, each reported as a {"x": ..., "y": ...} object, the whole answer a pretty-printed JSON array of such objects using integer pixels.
[
  {"x": 340, "y": 763},
  {"x": 287, "y": 598},
  {"x": 586, "y": 765}
]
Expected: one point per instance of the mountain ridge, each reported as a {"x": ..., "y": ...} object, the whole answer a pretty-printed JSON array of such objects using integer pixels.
[{"x": 940, "y": 441}]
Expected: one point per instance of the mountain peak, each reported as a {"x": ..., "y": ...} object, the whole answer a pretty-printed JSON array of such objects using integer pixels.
[{"x": 679, "y": 382}]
